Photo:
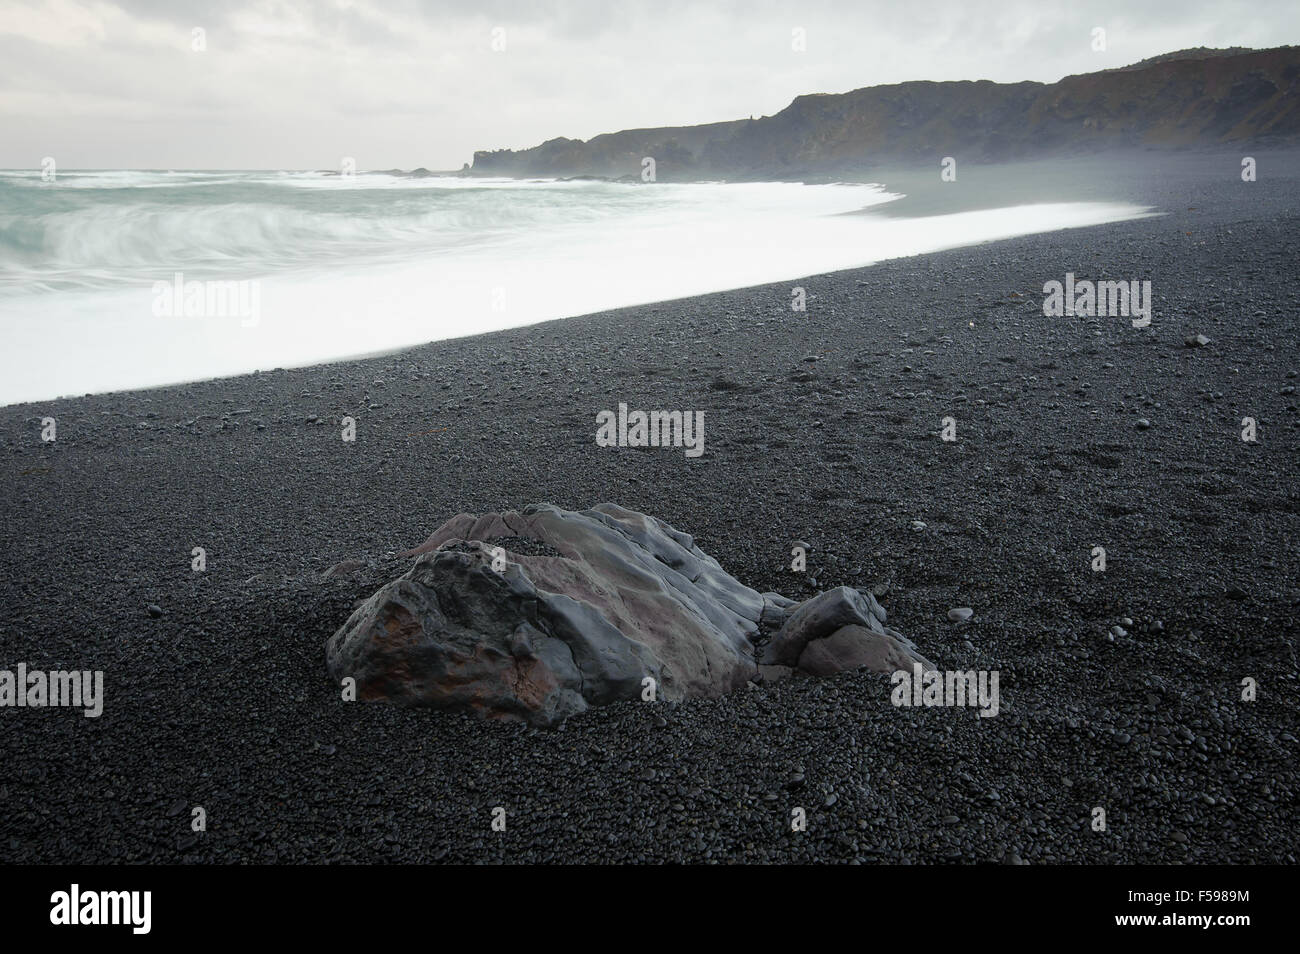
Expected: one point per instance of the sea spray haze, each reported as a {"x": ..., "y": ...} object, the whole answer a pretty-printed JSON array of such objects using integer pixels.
[{"x": 176, "y": 276}]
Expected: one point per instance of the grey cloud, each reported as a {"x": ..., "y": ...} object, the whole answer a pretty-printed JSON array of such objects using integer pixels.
[{"x": 408, "y": 83}]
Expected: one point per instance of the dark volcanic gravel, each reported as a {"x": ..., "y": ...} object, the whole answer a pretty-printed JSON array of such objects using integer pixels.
[{"x": 821, "y": 426}]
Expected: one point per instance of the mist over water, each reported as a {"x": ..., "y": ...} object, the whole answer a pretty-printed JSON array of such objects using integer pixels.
[{"x": 355, "y": 265}]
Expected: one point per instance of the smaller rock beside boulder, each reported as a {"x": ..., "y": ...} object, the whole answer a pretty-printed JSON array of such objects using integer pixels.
[{"x": 838, "y": 630}]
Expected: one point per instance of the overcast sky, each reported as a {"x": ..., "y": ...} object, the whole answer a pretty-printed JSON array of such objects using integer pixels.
[{"x": 403, "y": 83}]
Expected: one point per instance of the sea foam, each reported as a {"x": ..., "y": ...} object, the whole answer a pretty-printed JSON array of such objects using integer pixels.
[{"x": 346, "y": 266}]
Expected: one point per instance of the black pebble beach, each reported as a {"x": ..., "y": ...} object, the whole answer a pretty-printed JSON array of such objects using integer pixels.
[{"x": 1120, "y": 689}]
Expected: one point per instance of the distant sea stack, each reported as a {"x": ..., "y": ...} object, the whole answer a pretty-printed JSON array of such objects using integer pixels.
[{"x": 1191, "y": 98}]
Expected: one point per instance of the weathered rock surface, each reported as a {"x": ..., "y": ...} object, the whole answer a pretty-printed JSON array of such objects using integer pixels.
[{"x": 538, "y": 614}]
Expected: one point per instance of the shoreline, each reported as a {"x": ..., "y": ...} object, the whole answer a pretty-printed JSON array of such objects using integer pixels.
[
  {"x": 997, "y": 187},
  {"x": 402, "y": 349},
  {"x": 1107, "y": 178},
  {"x": 978, "y": 189},
  {"x": 824, "y": 427}
]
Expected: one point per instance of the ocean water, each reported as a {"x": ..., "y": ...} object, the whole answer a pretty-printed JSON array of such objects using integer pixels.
[{"x": 122, "y": 279}]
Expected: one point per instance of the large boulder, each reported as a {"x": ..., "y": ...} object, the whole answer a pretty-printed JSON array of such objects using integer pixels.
[{"x": 536, "y": 615}]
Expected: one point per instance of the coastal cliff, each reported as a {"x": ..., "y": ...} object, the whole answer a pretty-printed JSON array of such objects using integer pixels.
[{"x": 1190, "y": 98}]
